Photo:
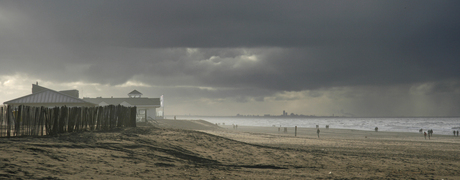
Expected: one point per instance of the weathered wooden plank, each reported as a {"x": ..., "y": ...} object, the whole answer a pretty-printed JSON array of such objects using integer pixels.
[
  {"x": 8, "y": 121},
  {"x": 1, "y": 121},
  {"x": 133, "y": 116},
  {"x": 2, "y": 125}
]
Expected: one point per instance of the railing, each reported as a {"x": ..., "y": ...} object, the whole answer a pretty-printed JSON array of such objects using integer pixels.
[{"x": 39, "y": 121}]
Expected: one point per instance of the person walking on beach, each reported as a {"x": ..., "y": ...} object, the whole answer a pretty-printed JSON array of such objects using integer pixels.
[
  {"x": 457, "y": 132},
  {"x": 317, "y": 132},
  {"x": 424, "y": 133}
]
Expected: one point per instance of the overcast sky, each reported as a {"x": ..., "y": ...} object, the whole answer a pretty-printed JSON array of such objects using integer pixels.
[{"x": 366, "y": 58}]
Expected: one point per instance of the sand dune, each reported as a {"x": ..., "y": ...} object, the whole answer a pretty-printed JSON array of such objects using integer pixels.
[{"x": 178, "y": 149}]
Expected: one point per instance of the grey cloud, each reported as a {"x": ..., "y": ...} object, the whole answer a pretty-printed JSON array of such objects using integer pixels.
[
  {"x": 436, "y": 88},
  {"x": 298, "y": 45},
  {"x": 242, "y": 23}
]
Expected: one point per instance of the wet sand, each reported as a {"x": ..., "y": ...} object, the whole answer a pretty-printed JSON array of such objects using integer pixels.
[{"x": 173, "y": 149}]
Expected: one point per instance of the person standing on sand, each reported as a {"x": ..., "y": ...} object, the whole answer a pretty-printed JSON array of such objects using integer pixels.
[
  {"x": 317, "y": 132},
  {"x": 457, "y": 132},
  {"x": 424, "y": 133}
]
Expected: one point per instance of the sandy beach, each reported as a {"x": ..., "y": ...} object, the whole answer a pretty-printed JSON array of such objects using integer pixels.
[{"x": 180, "y": 149}]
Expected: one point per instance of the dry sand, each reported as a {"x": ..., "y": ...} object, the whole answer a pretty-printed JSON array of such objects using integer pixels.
[{"x": 201, "y": 150}]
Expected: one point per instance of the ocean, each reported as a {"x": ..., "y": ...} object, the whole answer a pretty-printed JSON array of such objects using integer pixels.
[{"x": 438, "y": 125}]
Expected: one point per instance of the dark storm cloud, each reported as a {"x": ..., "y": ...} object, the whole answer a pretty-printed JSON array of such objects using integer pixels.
[
  {"x": 264, "y": 23},
  {"x": 298, "y": 45},
  {"x": 247, "y": 23}
]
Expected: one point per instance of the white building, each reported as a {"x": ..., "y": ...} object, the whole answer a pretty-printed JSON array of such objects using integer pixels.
[
  {"x": 41, "y": 96},
  {"x": 146, "y": 107}
]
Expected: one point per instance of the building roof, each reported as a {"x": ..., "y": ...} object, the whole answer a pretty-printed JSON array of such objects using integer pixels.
[
  {"x": 48, "y": 96},
  {"x": 73, "y": 93},
  {"x": 42, "y": 96},
  {"x": 36, "y": 89},
  {"x": 132, "y": 101},
  {"x": 135, "y": 92}
]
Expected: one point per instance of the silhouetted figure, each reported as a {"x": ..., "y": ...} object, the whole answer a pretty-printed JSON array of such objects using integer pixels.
[
  {"x": 420, "y": 131},
  {"x": 424, "y": 134},
  {"x": 376, "y": 129},
  {"x": 455, "y": 132},
  {"x": 317, "y": 132}
]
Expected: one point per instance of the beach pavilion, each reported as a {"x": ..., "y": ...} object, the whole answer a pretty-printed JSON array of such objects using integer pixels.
[
  {"x": 146, "y": 107},
  {"x": 41, "y": 96}
]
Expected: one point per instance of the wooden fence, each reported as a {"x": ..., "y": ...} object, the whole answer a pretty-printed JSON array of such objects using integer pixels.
[{"x": 40, "y": 121}]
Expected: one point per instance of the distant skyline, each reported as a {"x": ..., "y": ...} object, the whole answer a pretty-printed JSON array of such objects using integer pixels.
[{"x": 366, "y": 58}]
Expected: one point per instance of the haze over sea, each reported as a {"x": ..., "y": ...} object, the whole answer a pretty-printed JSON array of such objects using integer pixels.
[{"x": 439, "y": 125}]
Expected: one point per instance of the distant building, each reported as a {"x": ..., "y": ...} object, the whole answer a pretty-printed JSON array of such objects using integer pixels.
[{"x": 285, "y": 113}]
